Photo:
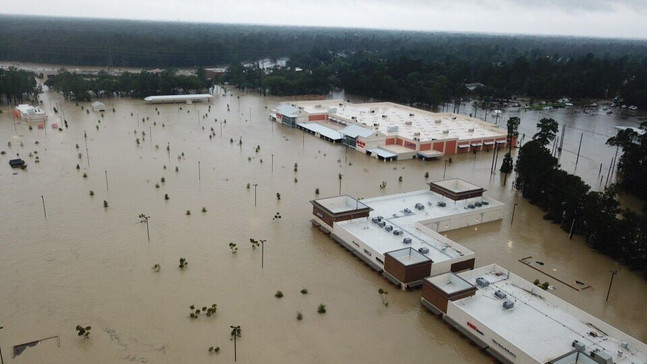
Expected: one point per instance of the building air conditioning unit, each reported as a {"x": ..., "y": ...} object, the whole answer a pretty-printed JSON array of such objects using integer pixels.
[
  {"x": 411, "y": 114},
  {"x": 579, "y": 346},
  {"x": 392, "y": 129},
  {"x": 438, "y": 121},
  {"x": 318, "y": 106},
  {"x": 406, "y": 240},
  {"x": 372, "y": 111},
  {"x": 408, "y": 123},
  {"x": 445, "y": 131},
  {"x": 416, "y": 133},
  {"x": 353, "y": 117},
  {"x": 332, "y": 110},
  {"x": 384, "y": 116},
  {"x": 423, "y": 250},
  {"x": 470, "y": 130},
  {"x": 482, "y": 282},
  {"x": 500, "y": 294},
  {"x": 508, "y": 305}
]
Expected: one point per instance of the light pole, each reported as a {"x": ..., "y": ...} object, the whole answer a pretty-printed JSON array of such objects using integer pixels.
[
  {"x": 340, "y": 177},
  {"x": 235, "y": 330},
  {"x": 613, "y": 274},
  {"x": 148, "y": 234},
  {"x": 1, "y": 358},
  {"x": 513, "y": 208},
  {"x": 262, "y": 252},
  {"x": 445, "y": 170},
  {"x": 272, "y": 162},
  {"x": 255, "y": 185}
]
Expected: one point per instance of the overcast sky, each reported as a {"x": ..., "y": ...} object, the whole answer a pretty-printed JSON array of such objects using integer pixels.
[{"x": 597, "y": 18}]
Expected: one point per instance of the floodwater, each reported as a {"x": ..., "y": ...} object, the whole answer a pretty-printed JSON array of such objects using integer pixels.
[{"x": 90, "y": 265}]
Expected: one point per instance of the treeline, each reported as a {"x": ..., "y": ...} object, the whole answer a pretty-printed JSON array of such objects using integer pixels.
[
  {"x": 426, "y": 81},
  {"x": 16, "y": 84},
  {"x": 569, "y": 202},
  {"x": 126, "y": 43},
  {"x": 84, "y": 87}
]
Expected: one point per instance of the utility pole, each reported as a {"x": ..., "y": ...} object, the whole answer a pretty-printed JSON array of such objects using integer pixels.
[
  {"x": 262, "y": 252},
  {"x": 255, "y": 185},
  {"x": 578, "y": 150},
  {"x": 514, "y": 207},
  {"x": 613, "y": 273}
]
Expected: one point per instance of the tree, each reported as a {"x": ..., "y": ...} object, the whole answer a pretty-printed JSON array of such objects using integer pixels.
[{"x": 548, "y": 129}]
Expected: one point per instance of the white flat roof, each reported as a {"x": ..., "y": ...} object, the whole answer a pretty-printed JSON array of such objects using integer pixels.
[
  {"x": 541, "y": 324},
  {"x": 178, "y": 98},
  {"x": 339, "y": 204},
  {"x": 391, "y": 208},
  {"x": 411, "y": 122},
  {"x": 457, "y": 185}
]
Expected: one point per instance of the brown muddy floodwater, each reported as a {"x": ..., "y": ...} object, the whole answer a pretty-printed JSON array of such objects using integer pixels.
[{"x": 90, "y": 265}]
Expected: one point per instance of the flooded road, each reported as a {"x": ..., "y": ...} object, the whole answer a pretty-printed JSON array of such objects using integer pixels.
[{"x": 90, "y": 265}]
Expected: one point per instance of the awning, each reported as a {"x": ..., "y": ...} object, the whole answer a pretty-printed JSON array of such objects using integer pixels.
[
  {"x": 464, "y": 146},
  {"x": 488, "y": 143},
  {"x": 382, "y": 153},
  {"x": 500, "y": 141},
  {"x": 476, "y": 144},
  {"x": 321, "y": 130}
]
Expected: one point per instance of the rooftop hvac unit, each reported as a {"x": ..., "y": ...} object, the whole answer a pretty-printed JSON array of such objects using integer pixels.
[
  {"x": 354, "y": 117},
  {"x": 406, "y": 240},
  {"x": 375, "y": 220},
  {"x": 500, "y": 294},
  {"x": 445, "y": 131},
  {"x": 380, "y": 217},
  {"x": 579, "y": 346},
  {"x": 508, "y": 305},
  {"x": 384, "y": 116},
  {"x": 372, "y": 111},
  {"x": 318, "y": 106},
  {"x": 423, "y": 250},
  {"x": 389, "y": 228},
  {"x": 340, "y": 104},
  {"x": 397, "y": 232},
  {"x": 408, "y": 123},
  {"x": 332, "y": 110},
  {"x": 381, "y": 224},
  {"x": 470, "y": 130},
  {"x": 453, "y": 117},
  {"x": 416, "y": 133},
  {"x": 376, "y": 124},
  {"x": 411, "y": 114},
  {"x": 438, "y": 121},
  {"x": 419, "y": 206},
  {"x": 407, "y": 210},
  {"x": 601, "y": 357},
  {"x": 482, "y": 282},
  {"x": 441, "y": 204},
  {"x": 392, "y": 129}
]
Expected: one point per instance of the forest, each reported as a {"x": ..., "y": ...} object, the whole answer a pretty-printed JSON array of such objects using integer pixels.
[
  {"x": 568, "y": 201},
  {"x": 419, "y": 68}
]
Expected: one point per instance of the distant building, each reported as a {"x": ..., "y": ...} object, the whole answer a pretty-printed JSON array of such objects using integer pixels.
[
  {"x": 391, "y": 131},
  {"x": 211, "y": 73},
  {"x": 30, "y": 113},
  {"x": 169, "y": 99},
  {"x": 98, "y": 106},
  {"x": 518, "y": 322}
]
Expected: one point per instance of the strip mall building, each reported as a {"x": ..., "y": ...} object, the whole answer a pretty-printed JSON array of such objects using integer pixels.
[{"x": 391, "y": 131}]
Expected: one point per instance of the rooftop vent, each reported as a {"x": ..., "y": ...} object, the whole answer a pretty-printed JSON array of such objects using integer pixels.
[
  {"x": 384, "y": 116},
  {"x": 438, "y": 121},
  {"x": 445, "y": 131},
  {"x": 375, "y": 220},
  {"x": 416, "y": 133},
  {"x": 381, "y": 224},
  {"x": 500, "y": 294},
  {"x": 470, "y": 130},
  {"x": 408, "y": 123},
  {"x": 406, "y": 240},
  {"x": 579, "y": 346},
  {"x": 389, "y": 228},
  {"x": 407, "y": 210},
  {"x": 419, "y": 206},
  {"x": 423, "y": 250},
  {"x": 453, "y": 117},
  {"x": 392, "y": 129},
  {"x": 482, "y": 282},
  {"x": 441, "y": 204},
  {"x": 354, "y": 117},
  {"x": 397, "y": 232},
  {"x": 508, "y": 305},
  {"x": 372, "y": 111},
  {"x": 318, "y": 106}
]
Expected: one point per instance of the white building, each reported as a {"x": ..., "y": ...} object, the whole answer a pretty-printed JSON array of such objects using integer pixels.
[
  {"x": 168, "y": 99},
  {"x": 27, "y": 112},
  {"x": 518, "y": 322},
  {"x": 392, "y": 131},
  {"x": 399, "y": 235},
  {"x": 98, "y": 106}
]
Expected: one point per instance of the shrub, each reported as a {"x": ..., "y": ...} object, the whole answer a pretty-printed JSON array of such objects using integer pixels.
[
  {"x": 321, "y": 309},
  {"x": 278, "y": 294}
]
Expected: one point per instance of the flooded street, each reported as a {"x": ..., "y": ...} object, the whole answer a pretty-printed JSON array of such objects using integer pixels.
[{"x": 90, "y": 265}]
